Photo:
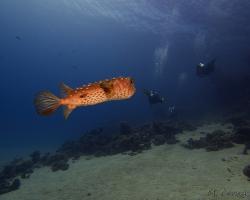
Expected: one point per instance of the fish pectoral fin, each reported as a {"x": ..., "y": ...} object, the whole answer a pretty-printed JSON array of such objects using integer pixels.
[
  {"x": 65, "y": 89},
  {"x": 67, "y": 110},
  {"x": 106, "y": 86}
]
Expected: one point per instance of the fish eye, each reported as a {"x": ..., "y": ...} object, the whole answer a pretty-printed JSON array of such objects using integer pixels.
[
  {"x": 82, "y": 95},
  {"x": 132, "y": 81}
]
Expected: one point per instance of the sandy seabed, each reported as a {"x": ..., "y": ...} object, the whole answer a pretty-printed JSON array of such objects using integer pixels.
[{"x": 167, "y": 172}]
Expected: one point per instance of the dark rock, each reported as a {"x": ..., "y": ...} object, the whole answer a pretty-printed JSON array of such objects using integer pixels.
[
  {"x": 25, "y": 176},
  {"x": 246, "y": 171},
  {"x": 168, "y": 129},
  {"x": 132, "y": 153},
  {"x": 55, "y": 158},
  {"x": 57, "y": 162},
  {"x": 9, "y": 171},
  {"x": 100, "y": 154},
  {"x": 8, "y": 186},
  {"x": 159, "y": 140},
  {"x": 128, "y": 139},
  {"x": 4, "y": 186},
  {"x": 171, "y": 139},
  {"x": 96, "y": 131},
  {"x": 211, "y": 142},
  {"x": 242, "y": 135},
  {"x": 24, "y": 167},
  {"x": 237, "y": 121},
  {"x": 15, "y": 184},
  {"x": 76, "y": 157},
  {"x": 157, "y": 127},
  {"x": 44, "y": 158},
  {"x": 16, "y": 161},
  {"x": 186, "y": 126},
  {"x": 246, "y": 148},
  {"x": 125, "y": 129},
  {"x": 196, "y": 144},
  {"x": 71, "y": 148},
  {"x": 60, "y": 165},
  {"x": 96, "y": 143},
  {"x": 133, "y": 142},
  {"x": 35, "y": 156}
]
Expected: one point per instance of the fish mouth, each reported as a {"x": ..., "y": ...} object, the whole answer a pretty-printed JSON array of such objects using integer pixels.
[{"x": 133, "y": 91}]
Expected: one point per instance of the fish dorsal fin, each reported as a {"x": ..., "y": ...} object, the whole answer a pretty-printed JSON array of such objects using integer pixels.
[
  {"x": 67, "y": 110},
  {"x": 65, "y": 89},
  {"x": 106, "y": 86}
]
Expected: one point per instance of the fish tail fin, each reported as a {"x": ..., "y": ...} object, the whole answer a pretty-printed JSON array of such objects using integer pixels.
[{"x": 46, "y": 103}]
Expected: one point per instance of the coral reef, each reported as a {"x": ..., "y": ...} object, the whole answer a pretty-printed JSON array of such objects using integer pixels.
[
  {"x": 8, "y": 186},
  {"x": 242, "y": 135},
  {"x": 35, "y": 156},
  {"x": 135, "y": 139},
  {"x": 212, "y": 141},
  {"x": 129, "y": 140},
  {"x": 219, "y": 140},
  {"x": 241, "y": 130},
  {"x": 125, "y": 128}
]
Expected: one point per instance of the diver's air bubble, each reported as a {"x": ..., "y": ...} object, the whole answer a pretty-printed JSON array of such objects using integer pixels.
[
  {"x": 200, "y": 46},
  {"x": 160, "y": 60}
]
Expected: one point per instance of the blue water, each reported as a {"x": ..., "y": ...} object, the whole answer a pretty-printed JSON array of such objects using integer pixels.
[{"x": 44, "y": 43}]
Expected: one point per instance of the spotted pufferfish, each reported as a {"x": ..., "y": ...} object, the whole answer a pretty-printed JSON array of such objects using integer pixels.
[{"x": 94, "y": 93}]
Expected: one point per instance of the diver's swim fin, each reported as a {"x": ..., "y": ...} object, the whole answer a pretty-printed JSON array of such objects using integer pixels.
[{"x": 146, "y": 92}]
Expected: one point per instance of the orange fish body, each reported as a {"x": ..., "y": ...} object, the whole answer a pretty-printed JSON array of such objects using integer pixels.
[{"x": 91, "y": 94}]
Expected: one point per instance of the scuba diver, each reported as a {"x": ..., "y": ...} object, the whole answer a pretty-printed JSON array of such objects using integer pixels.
[
  {"x": 205, "y": 69},
  {"x": 171, "y": 109},
  {"x": 154, "y": 97},
  {"x": 172, "y": 113},
  {"x": 159, "y": 112}
]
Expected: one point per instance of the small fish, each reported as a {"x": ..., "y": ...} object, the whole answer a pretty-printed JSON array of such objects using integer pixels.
[
  {"x": 74, "y": 67},
  {"x": 18, "y": 37},
  {"x": 94, "y": 93}
]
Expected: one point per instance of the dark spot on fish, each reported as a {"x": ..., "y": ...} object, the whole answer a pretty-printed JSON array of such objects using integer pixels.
[
  {"x": 106, "y": 86},
  {"x": 106, "y": 90}
]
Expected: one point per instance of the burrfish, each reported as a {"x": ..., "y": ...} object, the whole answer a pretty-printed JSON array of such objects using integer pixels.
[{"x": 94, "y": 93}]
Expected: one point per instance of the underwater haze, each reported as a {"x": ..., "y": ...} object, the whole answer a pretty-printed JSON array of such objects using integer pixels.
[
  {"x": 79, "y": 42},
  {"x": 158, "y": 43}
]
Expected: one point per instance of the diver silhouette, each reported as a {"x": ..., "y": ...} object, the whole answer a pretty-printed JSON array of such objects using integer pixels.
[
  {"x": 153, "y": 97},
  {"x": 205, "y": 69}
]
